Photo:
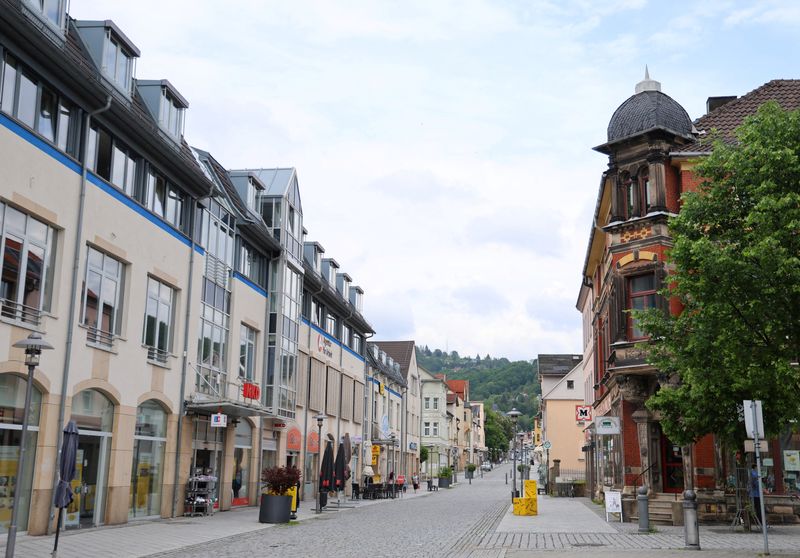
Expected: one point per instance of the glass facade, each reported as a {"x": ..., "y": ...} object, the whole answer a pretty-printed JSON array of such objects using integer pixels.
[
  {"x": 147, "y": 470},
  {"x": 242, "y": 452},
  {"x": 12, "y": 405}
]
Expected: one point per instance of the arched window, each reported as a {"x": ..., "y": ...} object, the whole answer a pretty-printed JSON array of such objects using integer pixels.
[
  {"x": 91, "y": 410},
  {"x": 12, "y": 403},
  {"x": 147, "y": 474}
]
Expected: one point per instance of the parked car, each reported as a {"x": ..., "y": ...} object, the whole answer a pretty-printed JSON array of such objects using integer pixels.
[{"x": 486, "y": 466}]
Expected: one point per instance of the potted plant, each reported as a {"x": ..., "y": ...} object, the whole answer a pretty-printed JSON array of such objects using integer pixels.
[
  {"x": 470, "y": 468},
  {"x": 445, "y": 476},
  {"x": 276, "y": 504}
]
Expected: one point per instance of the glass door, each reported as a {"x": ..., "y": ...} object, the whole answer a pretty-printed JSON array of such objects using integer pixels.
[{"x": 89, "y": 485}]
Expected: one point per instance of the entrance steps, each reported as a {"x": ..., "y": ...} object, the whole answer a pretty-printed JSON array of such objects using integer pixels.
[{"x": 663, "y": 509}]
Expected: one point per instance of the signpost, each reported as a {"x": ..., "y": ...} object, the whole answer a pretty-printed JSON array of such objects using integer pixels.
[
  {"x": 754, "y": 425},
  {"x": 614, "y": 503}
]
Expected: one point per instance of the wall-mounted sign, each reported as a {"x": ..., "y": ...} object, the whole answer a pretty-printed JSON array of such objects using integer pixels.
[
  {"x": 381, "y": 388},
  {"x": 278, "y": 425},
  {"x": 218, "y": 420},
  {"x": 583, "y": 413},
  {"x": 294, "y": 440},
  {"x": 312, "y": 443},
  {"x": 412, "y": 445},
  {"x": 251, "y": 391},
  {"x": 324, "y": 346},
  {"x": 376, "y": 454},
  {"x": 607, "y": 425}
]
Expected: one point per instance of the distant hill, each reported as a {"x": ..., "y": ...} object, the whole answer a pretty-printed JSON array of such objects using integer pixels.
[{"x": 500, "y": 383}]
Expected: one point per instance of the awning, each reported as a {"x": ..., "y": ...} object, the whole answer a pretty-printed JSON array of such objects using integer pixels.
[{"x": 227, "y": 407}]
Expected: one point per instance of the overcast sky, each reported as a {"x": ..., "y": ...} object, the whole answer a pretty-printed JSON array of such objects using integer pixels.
[{"x": 444, "y": 146}]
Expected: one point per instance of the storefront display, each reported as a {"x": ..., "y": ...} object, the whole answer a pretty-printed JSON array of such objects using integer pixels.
[
  {"x": 12, "y": 405},
  {"x": 208, "y": 446},
  {"x": 148, "y": 461}
]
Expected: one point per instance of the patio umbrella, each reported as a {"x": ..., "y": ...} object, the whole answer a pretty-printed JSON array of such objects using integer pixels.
[
  {"x": 348, "y": 455},
  {"x": 338, "y": 468},
  {"x": 326, "y": 479},
  {"x": 69, "y": 449}
]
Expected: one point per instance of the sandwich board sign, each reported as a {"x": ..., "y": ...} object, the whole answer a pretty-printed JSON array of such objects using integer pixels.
[{"x": 614, "y": 503}]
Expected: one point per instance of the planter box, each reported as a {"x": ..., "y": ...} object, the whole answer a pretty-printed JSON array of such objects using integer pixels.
[
  {"x": 444, "y": 483},
  {"x": 275, "y": 509}
]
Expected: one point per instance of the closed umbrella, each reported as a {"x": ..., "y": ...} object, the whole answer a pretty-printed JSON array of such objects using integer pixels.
[
  {"x": 338, "y": 469},
  {"x": 326, "y": 479},
  {"x": 348, "y": 455},
  {"x": 69, "y": 449}
]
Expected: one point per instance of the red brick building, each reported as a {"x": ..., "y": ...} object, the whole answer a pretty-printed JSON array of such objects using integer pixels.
[{"x": 652, "y": 147}]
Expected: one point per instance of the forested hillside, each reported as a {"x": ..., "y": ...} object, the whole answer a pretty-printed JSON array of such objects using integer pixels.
[{"x": 500, "y": 383}]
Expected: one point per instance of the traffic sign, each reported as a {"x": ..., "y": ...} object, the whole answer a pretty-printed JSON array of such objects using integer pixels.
[{"x": 547, "y": 444}]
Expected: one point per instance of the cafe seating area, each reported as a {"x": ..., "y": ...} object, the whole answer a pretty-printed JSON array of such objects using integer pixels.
[{"x": 376, "y": 491}]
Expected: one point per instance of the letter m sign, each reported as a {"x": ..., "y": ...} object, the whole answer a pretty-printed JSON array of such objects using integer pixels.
[{"x": 583, "y": 413}]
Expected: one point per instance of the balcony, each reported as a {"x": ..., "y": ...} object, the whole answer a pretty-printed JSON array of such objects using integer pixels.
[
  {"x": 20, "y": 313},
  {"x": 629, "y": 357},
  {"x": 218, "y": 392}
]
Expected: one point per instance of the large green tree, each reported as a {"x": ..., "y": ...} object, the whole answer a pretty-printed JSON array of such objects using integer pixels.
[
  {"x": 735, "y": 268},
  {"x": 498, "y": 430}
]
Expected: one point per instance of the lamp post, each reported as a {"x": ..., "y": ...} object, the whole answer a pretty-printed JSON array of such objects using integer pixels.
[
  {"x": 391, "y": 463},
  {"x": 33, "y": 346},
  {"x": 320, "y": 419},
  {"x": 513, "y": 414}
]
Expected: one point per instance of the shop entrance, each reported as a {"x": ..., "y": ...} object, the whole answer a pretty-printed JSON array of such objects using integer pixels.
[
  {"x": 207, "y": 456},
  {"x": 672, "y": 468}
]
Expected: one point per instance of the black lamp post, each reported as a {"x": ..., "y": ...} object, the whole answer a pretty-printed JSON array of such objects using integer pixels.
[
  {"x": 320, "y": 418},
  {"x": 514, "y": 415},
  {"x": 391, "y": 462},
  {"x": 33, "y": 346}
]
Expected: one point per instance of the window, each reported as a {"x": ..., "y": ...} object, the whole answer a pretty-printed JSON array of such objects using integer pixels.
[
  {"x": 212, "y": 347},
  {"x": 435, "y": 428},
  {"x": 427, "y": 402},
  {"x": 164, "y": 199},
  {"x": 26, "y": 251},
  {"x": 345, "y": 335},
  {"x": 117, "y": 63},
  {"x": 356, "y": 343},
  {"x": 247, "y": 353},
  {"x": 112, "y": 161},
  {"x": 157, "y": 335},
  {"x": 123, "y": 169},
  {"x": 253, "y": 265},
  {"x": 636, "y": 192},
  {"x": 570, "y": 384},
  {"x": 330, "y": 325},
  {"x": 37, "y": 106},
  {"x": 642, "y": 295},
  {"x": 426, "y": 429},
  {"x": 102, "y": 297},
  {"x": 171, "y": 114},
  {"x": 217, "y": 234},
  {"x": 435, "y": 402},
  {"x": 52, "y": 10},
  {"x": 316, "y": 312}
]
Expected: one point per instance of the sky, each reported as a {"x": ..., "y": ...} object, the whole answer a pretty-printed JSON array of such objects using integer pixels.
[{"x": 444, "y": 147}]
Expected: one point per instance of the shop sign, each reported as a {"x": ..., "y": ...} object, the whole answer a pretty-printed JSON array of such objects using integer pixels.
[
  {"x": 312, "y": 443},
  {"x": 294, "y": 440},
  {"x": 218, "y": 420},
  {"x": 583, "y": 413},
  {"x": 607, "y": 425},
  {"x": 324, "y": 346},
  {"x": 357, "y": 439},
  {"x": 251, "y": 391},
  {"x": 376, "y": 454},
  {"x": 412, "y": 445},
  {"x": 278, "y": 425},
  {"x": 791, "y": 460}
]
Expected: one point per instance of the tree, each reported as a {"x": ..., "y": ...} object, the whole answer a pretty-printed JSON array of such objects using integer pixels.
[
  {"x": 736, "y": 260},
  {"x": 498, "y": 429},
  {"x": 423, "y": 454}
]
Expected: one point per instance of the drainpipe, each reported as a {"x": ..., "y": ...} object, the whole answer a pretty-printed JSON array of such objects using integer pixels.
[
  {"x": 76, "y": 261},
  {"x": 185, "y": 357},
  {"x": 366, "y": 425}
]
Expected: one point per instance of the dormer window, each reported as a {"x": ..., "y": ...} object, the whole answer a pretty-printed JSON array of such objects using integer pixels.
[
  {"x": 171, "y": 115},
  {"x": 318, "y": 261},
  {"x": 357, "y": 298},
  {"x": 51, "y": 10},
  {"x": 253, "y": 190},
  {"x": 117, "y": 62}
]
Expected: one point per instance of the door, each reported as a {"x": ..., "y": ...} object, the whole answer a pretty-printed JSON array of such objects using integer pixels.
[
  {"x": 672, "y": 459},
  {"x": 91, "y": 459}
]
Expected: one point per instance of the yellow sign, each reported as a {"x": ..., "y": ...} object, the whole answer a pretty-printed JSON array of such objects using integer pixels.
[
  {"x": 380, "y": 388},
  {"x": 525, "y": 506},
  {"x": 293, "y": 493},
  {"x": 376, "y": 454}
]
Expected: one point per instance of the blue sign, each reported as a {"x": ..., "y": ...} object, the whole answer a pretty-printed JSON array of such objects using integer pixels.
[{"x": 412, "y": 445}]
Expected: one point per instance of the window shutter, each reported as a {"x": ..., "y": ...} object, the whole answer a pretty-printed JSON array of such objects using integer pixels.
[
  {"x": 661, "y": 282},
  {"x": 618, "y": 319}
]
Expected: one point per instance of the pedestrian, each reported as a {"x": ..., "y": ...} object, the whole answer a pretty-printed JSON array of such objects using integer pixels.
[
  {"x": 755, "y": 495},
  {"x": 415, "y": 481}
]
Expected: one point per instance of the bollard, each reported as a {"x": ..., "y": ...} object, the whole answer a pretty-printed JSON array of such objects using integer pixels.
[
  {"x": 506, "y": 478},
  {"x": 644, "y": 510},
  {"x": 690, "y": 528}
]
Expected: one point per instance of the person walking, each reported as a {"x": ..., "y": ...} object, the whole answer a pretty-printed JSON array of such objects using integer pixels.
[{"x": 755, "y": 495}]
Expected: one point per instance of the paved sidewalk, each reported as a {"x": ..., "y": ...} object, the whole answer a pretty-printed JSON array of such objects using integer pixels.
[{"x": 145, "y": 538}]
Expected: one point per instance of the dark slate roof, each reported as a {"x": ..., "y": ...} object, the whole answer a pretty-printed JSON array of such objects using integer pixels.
[
  {"x": 728, "y": 117},
  {"x": 557, "y": 365},
  {"x": 385, "y": 369},
  {"x": 400, "y": 351},
  {"x": 645, "y": 111}
]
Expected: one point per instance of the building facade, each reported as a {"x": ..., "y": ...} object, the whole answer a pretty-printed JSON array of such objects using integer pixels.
[{"x": 434, "y": 423}]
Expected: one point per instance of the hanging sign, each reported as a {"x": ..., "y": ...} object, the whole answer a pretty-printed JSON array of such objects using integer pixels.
[
  {"x": 251, "y": 391},
  {"x": 376, "y": 454},
  {"x": 607, "y": 425},
  {"x": 218, "y": 420},
  {"x": 294, "y": 440},
  {"x": 583, "y": 413}
]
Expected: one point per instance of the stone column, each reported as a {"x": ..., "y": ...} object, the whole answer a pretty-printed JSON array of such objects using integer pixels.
[
  {"x": 687, "y": 452},
  {"x": 643, "y": 419}
]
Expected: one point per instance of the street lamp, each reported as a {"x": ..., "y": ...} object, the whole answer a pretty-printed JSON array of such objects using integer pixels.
[
  {"x": 392, "y": 438},
  {"x": 320, "y": 419},
  {"x": 514, "y": 415},
  {"x": 33, "y": 346}
]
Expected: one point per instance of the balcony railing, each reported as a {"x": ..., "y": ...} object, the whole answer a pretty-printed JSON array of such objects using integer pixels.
[
  {"x": 100, "y": 337},
  {"x": 20, "y": 312},
  {"x": 211, "y": 382},
  {"x": 157, "y": 355}
]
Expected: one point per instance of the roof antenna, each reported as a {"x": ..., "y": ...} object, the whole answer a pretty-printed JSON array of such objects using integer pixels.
[{"x": 647, "y": 84}]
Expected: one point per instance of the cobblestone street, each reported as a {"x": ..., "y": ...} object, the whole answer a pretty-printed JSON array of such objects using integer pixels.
[{"x": 467, "y": 521}]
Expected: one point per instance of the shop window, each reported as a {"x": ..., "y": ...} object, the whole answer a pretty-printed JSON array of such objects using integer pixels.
[
  {"x": 147, "y": 472},
  {"x": 12, "y": 397},
  {"x": 243, "y": 447},
  {"x": 27, "y": 248}
]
